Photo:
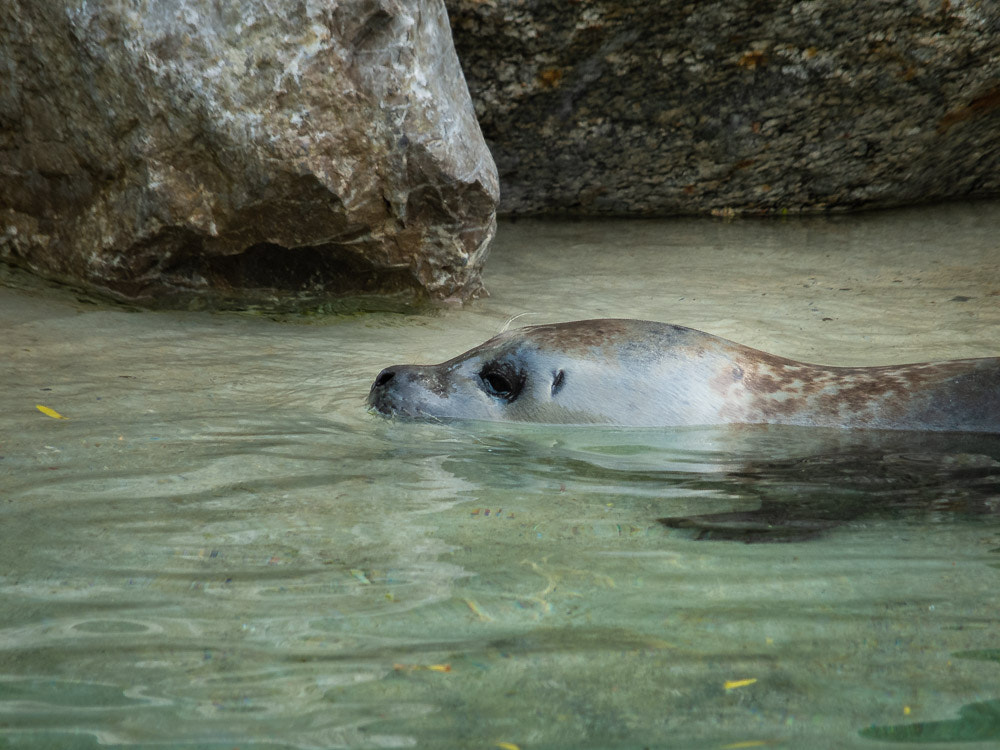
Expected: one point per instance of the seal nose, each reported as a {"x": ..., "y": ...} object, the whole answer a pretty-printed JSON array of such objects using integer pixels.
[{"x": 384, "y": 377}]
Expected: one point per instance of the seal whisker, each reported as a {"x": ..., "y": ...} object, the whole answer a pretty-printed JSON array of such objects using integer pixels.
[
  {"x": 451, "y": 425},
  {"x": 511, "y": 319}
]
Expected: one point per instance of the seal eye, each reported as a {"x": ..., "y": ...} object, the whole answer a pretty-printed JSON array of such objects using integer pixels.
[{"x": 501, "y": 381}]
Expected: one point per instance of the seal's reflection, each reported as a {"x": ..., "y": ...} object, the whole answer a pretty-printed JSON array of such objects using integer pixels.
[
  {"x": 754, "y": 484},
  {"x": 800, "y": 498}
]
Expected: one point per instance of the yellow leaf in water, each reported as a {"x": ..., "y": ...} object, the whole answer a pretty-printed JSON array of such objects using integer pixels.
[
  {"x": 747, "y": 743},
  {"x": 507, "y": 746},
  {"x": 49, "y": 412},
  {"x": 731, "y": 684},
  {"x": 477, "y": 611},
  {"x": 415, "y": 667}
]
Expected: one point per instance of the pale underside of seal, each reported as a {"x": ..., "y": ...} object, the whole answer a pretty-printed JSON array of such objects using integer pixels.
[{"x": 641, "y": 373}]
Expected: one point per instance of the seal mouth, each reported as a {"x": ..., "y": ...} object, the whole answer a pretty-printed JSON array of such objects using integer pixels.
[
  {"x": 379, "y": 405},
  {"x": 406, "y": 391},
  {"x": 379, "y": 402},
  {"x": 385, "y": 401},
  {"x": 381, "y": 398},
  {"x": 380, "y": 410}
]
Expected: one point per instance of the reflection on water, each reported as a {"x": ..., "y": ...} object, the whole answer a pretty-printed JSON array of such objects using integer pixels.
[
  {"x": 881, "y": 474},
  {"x": 218, "y": 548}
]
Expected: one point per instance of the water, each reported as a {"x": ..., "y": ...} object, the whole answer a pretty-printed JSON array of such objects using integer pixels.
[{"x": 219, "y": 548}]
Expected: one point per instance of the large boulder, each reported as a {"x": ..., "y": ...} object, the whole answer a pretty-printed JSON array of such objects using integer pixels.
[
  {"x": 241, "y": 152},
  {"x": 637, "y": 107}
]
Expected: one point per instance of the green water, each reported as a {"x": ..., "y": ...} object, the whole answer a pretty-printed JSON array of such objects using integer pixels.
[{"x": 219, "y": 547}]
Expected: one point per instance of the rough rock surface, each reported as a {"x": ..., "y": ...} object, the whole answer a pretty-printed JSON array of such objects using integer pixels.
[
  {"x": 252, "y": 151},
  {"x": 632, "y": 107}
]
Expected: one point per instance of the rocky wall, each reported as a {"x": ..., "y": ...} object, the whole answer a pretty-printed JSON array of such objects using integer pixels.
[{"x": 734, "y": 106}]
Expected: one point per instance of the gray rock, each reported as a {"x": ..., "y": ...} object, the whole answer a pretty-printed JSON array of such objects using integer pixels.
[
  {"x": 728, "y": 106},
  {"x": 164, "y": 151}
]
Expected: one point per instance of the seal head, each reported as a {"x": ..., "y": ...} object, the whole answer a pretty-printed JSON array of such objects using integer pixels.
[{"x": 551, "y": 373}]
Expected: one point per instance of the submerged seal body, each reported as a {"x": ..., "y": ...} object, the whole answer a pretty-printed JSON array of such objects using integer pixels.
[{"x": 640, "y": 373}]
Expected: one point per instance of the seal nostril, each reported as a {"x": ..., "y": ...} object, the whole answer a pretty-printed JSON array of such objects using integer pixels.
[{"x": 384, "y": 377}]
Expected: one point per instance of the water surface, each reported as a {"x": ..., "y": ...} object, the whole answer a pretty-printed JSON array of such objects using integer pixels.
[{"x": 219, "y": 547}]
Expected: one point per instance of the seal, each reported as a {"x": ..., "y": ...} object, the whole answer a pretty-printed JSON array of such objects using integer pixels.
[{"x": 645, "y": 374}]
